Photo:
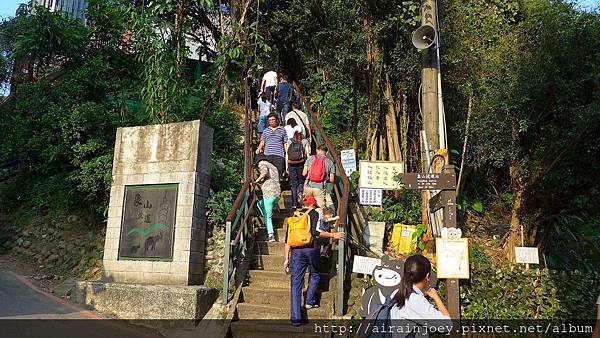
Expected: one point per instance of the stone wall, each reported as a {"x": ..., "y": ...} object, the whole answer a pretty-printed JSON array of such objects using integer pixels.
[{"x": 160, "y": 154}]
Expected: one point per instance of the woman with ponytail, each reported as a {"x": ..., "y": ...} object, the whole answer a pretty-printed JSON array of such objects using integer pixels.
[{"x": 411, "y": 304}]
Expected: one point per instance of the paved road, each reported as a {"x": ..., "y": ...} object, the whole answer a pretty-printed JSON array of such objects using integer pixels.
[{"x": 26, "y": 311}]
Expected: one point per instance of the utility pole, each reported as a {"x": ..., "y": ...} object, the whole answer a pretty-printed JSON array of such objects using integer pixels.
[
  {"x": 426, "y": 39},
  {"x": 429, "y": 76}
]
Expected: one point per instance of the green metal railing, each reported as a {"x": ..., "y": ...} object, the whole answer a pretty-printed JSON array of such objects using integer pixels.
[{"x": 237, "y": 232}]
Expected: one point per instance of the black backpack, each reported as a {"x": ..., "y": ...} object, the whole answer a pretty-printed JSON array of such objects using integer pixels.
[
  {"x": 380, "y": 317},
  {"x": 296, "y": 152}
]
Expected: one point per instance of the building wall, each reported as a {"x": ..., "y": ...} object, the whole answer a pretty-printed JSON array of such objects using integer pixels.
[{"x": 74, "y": 8}]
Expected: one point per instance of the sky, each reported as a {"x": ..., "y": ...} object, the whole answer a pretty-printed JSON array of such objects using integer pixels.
[{"x": 9, "y": 7}]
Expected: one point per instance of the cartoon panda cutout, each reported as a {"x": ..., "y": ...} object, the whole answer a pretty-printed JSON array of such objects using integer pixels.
[{"x": 386, "y": 276}]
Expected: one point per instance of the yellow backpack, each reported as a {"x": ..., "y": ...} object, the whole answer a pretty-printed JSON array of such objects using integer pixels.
[{"x": 298, "y": 232}]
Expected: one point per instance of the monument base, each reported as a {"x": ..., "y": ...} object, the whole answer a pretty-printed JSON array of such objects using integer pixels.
[{"x": 152, "y": 305}]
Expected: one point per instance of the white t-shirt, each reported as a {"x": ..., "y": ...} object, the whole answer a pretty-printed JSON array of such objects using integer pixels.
[
  {"x": 300, "y": 117},
  {"x": 265, "y": 107},
  {"x": 598, "y": 301},
  {"x": 290, "y": 131},
  {"x": 270, "y": 79}
]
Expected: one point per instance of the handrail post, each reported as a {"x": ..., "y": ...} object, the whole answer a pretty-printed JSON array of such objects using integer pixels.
[
  {"x": 243, "y": 230},
  {"x": 339, "y": 307},
  {"x": 226, "y": 262}
]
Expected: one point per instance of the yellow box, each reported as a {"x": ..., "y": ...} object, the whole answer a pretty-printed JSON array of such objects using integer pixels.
[{"x": 402, "y": 238}]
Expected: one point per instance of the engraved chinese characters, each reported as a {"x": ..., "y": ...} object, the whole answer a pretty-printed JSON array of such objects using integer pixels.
[{"x": 148, "y": 221}]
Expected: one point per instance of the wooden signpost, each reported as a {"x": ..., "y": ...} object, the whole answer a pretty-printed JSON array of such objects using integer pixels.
[{"x": 446, "y": 200}]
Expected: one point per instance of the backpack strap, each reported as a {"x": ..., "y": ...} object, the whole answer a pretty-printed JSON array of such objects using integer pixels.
[{"x": 301, "y": 121}]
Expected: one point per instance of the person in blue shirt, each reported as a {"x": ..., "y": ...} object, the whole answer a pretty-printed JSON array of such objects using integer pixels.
[{"x": 283, "y": 93}]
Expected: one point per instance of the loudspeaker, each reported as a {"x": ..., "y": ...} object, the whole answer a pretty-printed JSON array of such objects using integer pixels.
[{"x": 424, "y": 37}]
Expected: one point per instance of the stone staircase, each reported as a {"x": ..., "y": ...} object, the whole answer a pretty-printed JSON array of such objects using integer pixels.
[{"x": 266, "y": 292}]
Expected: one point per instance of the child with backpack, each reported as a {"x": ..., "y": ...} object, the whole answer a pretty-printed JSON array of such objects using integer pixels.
[
  {"x": 297, "y": 152},
  {"x": 264, "y": 105},
  {"x": 318, "y": 170},
  {"x": 325, "y": 223},
  {"x": 302, "y": 253}
]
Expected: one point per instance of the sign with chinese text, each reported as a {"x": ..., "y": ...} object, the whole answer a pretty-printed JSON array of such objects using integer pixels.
[
  {"x": 147, "y": 225},
  {"x": 527, "y": 255},
  {"x": 348, "y": 158},
  {"x": 452, "y": 258},
  {"x": 364, "y": 265},
  {"x": 368, "y": 196},
  {"x": 428, "y": 181},
  {"x": 380, "y": 175}
]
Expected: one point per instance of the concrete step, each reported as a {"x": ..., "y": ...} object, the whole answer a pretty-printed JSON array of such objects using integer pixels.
[
  {"x": 268, "y": 262},
  {"x": 257, "y": 311},
  {"x": 281, "y": 297},
  {"x": 279, "y": 280},
  {"x": 262, "y": 234},
  {"x": 270, "y": 248},
  {"x": 273, "y": 329}
]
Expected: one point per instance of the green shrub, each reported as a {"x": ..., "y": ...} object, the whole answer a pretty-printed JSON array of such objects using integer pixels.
[
  {"x": 405, "y": 209},
  {"x": 511, "y": 292}
]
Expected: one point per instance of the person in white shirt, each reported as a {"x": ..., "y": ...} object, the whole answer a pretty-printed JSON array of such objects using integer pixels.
[
  {"x": 412, "y": 309},
  {"x": 301, "y": 119},
  {"x": 265, "y": 109},
  {"x": 269, "y": 82}
]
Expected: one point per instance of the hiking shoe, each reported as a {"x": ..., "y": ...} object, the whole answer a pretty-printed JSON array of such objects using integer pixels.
[
  {"x": 272, "y": 238},
  {"x": 314, "y": 306}
]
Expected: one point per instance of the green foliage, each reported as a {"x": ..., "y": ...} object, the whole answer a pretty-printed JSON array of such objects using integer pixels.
[
  {"x": 418, "y": 236},
  {"x": 63, "y": 129},
  {"x": 405, "y": 210},
  {"x": 42, "y": 40},
  {"x": 477, "y": 206},
  {"x": 511, "y": 292},
  {"x": 163, "y": 88},
  {"x": 477, "y": 253},
  {"x": 534, "y": 111}
]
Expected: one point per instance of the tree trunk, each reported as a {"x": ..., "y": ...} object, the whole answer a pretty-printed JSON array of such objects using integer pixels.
[
  {"x": 518, "y": 186},
  {"x": 179, "y": 39},
  {"x": 390, "y": 121},
  {"x": 516, "y": 223}
]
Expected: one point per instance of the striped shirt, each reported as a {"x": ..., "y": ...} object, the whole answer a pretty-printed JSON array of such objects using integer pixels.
[{"x": 274, "y": 140}]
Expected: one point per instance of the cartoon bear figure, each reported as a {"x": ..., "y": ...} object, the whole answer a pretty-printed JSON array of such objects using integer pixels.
[
  {"x": 387, "y": 277},
  {"x": 451, "y": 233}
]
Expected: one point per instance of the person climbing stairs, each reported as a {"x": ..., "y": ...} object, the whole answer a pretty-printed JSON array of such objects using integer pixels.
[{"x": 266, "y": 292}]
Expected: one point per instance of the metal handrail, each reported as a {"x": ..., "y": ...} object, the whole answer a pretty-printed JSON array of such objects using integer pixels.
[
  {"x": 342, "y": 201},
  {"x": 236, "y": 224}
]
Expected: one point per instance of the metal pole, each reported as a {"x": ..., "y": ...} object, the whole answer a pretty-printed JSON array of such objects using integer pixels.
[{"x": 339, "y": 306}]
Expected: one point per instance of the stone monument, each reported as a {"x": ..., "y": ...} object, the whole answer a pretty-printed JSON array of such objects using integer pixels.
[{"x": 156, "y": 225}]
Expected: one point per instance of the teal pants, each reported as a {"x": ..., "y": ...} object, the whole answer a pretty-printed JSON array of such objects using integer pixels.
[{"x": 266, "y": 209}]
